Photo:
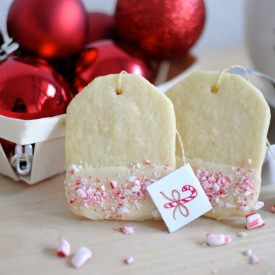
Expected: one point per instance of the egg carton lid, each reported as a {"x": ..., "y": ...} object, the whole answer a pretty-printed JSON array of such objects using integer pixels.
[{"x": 24, "y": 132}]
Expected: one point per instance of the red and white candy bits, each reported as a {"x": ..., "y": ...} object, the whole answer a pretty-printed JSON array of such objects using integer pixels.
[
  {"x": 63, "y": 248},
  {"x": 113, "y": 184},
  {"x": 129, "y": 260},
  {"x": 272, "y": 209},
  {"x": 127, "y": 230},
  {"x": 248, "y": 252},
  {"x": 81, "y": 257},
  {"x": 258, "y": 205},
  {"x": 254, "y": 220},
  {"x": 218, "y": 239},
  {"x": 253, "y": 259}
]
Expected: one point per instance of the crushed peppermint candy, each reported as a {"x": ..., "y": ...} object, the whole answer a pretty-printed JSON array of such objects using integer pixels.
[
  {"x": 126, "y": 230},
  {"x": 81, "y": 193},
  {"x": 129, "y": 260},
  {"x": 132, "y": 179},
  {"x": 73, "y": 169},
  {"x": 218, "y": 239},
  {"x": 258, "y": 205},
  {"x": 116, "y": 196},
  {"x": 247, "y": 252},
  {"x": 228, "y": 191},
  {"x": 254, "y": 260},
  {"x": 113, "y": 184},
  {"x": 272, "y": 209},
  {"x": 135, "y": 189},
  {"x": 254, "y": 220},
  {"x": 123, "y": 211},
  {"x": 120, "y": 196},
  {"x": 63, "y": 248},
  {"x": 81, "y": 257}
]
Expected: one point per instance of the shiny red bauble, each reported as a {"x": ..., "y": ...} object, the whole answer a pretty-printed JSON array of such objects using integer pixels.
[
  {"x": 105, "y": 57},
  {"x": 101, "y": 26},
  {"x": 31, "y": 89},
  {"x": 160, "y": 28},
  {"x": 50, "y": 29}
]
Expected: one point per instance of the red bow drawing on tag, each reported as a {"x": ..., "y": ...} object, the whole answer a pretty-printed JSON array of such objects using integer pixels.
[{"x": 179, "y": 203}]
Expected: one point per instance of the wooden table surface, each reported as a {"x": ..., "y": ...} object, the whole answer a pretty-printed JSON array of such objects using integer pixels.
[{"x": 34, "y": 218}]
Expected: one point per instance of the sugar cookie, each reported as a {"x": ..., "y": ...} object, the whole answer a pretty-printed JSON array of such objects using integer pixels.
[
  {"x": 224, "y": 130},
  {"x": 120, "y": 137}
]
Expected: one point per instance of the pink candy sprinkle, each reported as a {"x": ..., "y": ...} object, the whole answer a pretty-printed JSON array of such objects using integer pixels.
[
  {"x": 129, "y": 260},
  {"x": 123, "y": 210},
  {"x": 63, "y": 248},
  {"x": 248, "y": 252},
  {"x": 135, "y": 189},
  {"x": 254, "y": 260},
  {"x": 218, "y": 239},
  {"x": 147, "y": 161},
  {"x": 113, "y": 184},
  {"x": 81, "y": 257},
  {"x": 272, "y": 209},
  {"x": 73, "y": 169},
  {"x": 132, "y": 179},
  {"x": 127, "y": 230},
  {"x": 254, "y": 220},
  {"x": 81, "y": 193},
  {"x": 244, "y": 207},
  {"x": 258, "y": 205}
]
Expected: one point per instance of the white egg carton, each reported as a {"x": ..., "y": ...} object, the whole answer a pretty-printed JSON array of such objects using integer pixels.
[{"x": 47, "y": 136}]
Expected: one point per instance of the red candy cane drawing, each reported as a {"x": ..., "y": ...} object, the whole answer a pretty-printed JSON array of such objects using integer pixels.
[{"x": 179, "y": 203}]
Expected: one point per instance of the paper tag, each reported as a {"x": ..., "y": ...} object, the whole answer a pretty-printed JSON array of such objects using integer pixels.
[{"x": 179, "y": 198}]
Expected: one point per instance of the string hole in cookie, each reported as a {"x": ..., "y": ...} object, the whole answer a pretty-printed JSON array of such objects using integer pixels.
[
  {"x": 118, "y": 91},
  {"x": 214, "y": 89}
]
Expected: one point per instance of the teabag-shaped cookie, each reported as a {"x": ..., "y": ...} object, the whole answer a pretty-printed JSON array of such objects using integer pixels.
[
  {"x": 223, "y": 121},
  {"x": 120, "y": 137}
]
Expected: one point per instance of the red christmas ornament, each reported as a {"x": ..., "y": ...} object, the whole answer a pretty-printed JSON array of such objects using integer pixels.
[
  {"x": 102, "y": 58},
  {"x": 31, "y": 89},
  {"x": 160, "y": 28},
  {"x": 100, "y": 26},
  {"x": 50, "y": 29}
]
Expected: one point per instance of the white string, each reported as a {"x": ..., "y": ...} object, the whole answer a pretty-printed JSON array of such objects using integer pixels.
[
  {"x": 181, "y": 147},
  {"x": 215, "y": 88},
  {"x": 119, "y": 83}
]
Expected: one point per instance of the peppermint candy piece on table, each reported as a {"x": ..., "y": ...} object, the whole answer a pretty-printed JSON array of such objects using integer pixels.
[
  {"x": 63, "y": 248},
  {"x": 218, "y": 239},
  {"x": 254, "y": 220},
  {"x": 81, "y": 257}
]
